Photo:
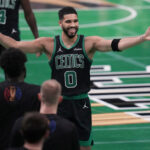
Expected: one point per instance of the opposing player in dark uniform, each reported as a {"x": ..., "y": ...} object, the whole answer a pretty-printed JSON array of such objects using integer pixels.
[
  {"x": 63, "y": 133},
  {"x": 70, "y": 58},
  {"x": 16, "y": 96},
  {"x": 9, "y": 18},
  {"x": 35, "y": 129}
]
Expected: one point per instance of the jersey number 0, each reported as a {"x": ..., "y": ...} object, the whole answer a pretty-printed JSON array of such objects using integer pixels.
[{"x": 70, "y": 78}]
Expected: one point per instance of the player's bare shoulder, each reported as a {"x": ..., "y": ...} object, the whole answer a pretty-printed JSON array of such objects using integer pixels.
[
  {"x": 48, "y": 44},
  {"x": 90, "y": 42},
  {"x": 97, "y": 43}
]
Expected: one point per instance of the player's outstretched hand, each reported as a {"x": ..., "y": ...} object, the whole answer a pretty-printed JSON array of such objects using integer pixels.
[{"x": 147, "y": 34}]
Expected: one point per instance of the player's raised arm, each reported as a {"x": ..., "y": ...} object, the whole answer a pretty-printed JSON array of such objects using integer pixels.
[
  {"x": 37, "y": 45},
  {"x": 30, "y": 18},
  {"x": 132, "y": 41},
  {"x": 103, "y": 45}
]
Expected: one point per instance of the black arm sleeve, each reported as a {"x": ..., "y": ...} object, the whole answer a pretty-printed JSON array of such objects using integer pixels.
[{"x": 114, "y": 44}]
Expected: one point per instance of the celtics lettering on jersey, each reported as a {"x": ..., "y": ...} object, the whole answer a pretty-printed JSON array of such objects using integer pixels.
[
  {"x": 5, "y": 4},
  {"x": 69, "y": 61}
]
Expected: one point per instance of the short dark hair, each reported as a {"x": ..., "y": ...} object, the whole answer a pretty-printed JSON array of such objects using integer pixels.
[
  {"x": 34, "y": 126},
  {"x": 65, "y": 11},
  {"x": 12, "y": 61}
]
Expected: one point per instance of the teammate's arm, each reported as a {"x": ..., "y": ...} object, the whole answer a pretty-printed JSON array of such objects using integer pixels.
[
  {"x": 37, "y": 45},
  {"x": 30, "y": 18}
]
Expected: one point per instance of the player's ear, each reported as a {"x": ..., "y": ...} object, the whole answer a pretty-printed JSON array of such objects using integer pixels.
[
  {"x": 39, "y": 97},
  {"x": 60, "y": 23},
  {"x": 47, "y": 133},
  {"x": 60, "y": 99}
]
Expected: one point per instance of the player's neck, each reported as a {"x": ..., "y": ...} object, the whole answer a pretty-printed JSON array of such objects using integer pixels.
[
  {"x": 19, "y": 79},
  {"x": 15, "y": 79},
  {"x": 68, "y": 42},
  {"x": 37, "y": 146},
  {"x": 45, "y": 109}
]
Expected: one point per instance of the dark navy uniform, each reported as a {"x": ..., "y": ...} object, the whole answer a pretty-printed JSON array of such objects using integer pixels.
[
  {"x": 9, "y": 11},
  {"x": 63, "y": 134},
  {"x": 18, "y": 148},
  {"x": 15, "y": 100},
  {"x": 71, "y": 68}
]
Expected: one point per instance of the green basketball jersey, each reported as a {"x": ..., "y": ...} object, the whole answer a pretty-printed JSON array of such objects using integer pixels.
[
  {"x": 71, "y": 67},
  {"x": 9, "y": 14}
]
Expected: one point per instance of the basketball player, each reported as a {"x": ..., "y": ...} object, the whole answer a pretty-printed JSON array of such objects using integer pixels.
[
  {"x": 70, "y": 58},
  {"x": 9, "y": 18}
]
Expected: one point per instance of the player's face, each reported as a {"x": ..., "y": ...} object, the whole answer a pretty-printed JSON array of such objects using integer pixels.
[{"x": 69, "y": 25}]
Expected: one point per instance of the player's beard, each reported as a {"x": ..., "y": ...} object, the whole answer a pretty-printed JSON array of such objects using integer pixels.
[{"x": 66, "y": 31}]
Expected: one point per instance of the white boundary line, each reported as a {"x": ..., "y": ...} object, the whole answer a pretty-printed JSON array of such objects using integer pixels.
[
  {"x": 123, "y": 128},
  {"x": 132, "y": 15},
  {"x": 120, "y": 142},
  {"x": 147, "y": 1},
  {"x": 127, "y": 59}
]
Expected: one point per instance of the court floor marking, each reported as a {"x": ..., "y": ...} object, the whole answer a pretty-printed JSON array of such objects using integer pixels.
[
  {"x": 83, "y": 9},
  {"x": 120, "y": 128},
  {"x": 118, "y": 118},
  {"x": 132, "y": 15},
  {"x": 127, "y": 59},
  {"x": 112, "y": 59},
  {"x": 122, "y": 142},
  {"x": 147, "y": 1},
  {"x": 141, "y": 7},
  {"x": 87, "y": 9},
  {"x": 97, "y": 105},
  {"x": 126, "y": 31},
  {"x": 52, "y": 10}
]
